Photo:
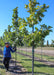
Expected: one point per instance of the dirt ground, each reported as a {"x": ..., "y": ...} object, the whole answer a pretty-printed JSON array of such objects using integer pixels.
[
  {"x": 45, "y": 51},
  {"x": 16, "y": 70}
]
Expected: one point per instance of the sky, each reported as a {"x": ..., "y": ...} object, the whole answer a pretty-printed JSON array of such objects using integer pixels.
[{"x": 6, "y": 11}]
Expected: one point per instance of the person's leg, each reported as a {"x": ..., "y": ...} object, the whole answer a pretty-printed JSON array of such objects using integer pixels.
[
  {"x": 7, "y": 65},
  {"x": 4, "y": 61}
]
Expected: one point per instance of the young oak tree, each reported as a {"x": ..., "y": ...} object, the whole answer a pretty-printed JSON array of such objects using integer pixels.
[
  {"x": 18, "y": 27},
  {"x": 15, "y": 25},
  {"x": 36, "y": 12},
  {"x": 43, "y": 32}
]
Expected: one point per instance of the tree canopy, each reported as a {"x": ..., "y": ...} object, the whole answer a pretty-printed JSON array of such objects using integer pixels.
[{"x": 18, "y": 32}]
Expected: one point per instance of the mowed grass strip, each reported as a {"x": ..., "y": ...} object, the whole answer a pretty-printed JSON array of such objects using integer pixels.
[
  {"x": 44, "y": 57},
  {"x": 38, "y": 66}
]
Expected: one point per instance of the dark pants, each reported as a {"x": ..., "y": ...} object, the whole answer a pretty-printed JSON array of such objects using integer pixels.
[{"x": 6, "y": 62}]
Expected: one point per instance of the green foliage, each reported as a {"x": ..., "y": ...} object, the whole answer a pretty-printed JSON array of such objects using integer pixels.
[
  {"x": 36, "y": 12},
  {"x": 18, "y": 33},
  {"x": 9, "y": 28},
  {"x": 52, "y": 44},
  {"x": 15, "y": 18},
  {"x": 1, "y": 41}
]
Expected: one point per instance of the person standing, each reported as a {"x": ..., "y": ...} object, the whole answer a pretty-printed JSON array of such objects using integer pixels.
[{"x": 7, "y": 55}]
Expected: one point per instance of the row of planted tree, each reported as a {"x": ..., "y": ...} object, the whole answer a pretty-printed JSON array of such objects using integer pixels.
[{"x": 19, "y": 31}]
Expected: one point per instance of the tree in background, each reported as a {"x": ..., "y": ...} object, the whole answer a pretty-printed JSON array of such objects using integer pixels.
[
  {"x": 47, "y": 43},
  {"x": 52, "y": 44},
  {"x": 43, "y": 32},
  {"x": 1, "y": 41}
]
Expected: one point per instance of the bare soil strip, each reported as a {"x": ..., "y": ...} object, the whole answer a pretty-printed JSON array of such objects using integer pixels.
[{"x": 45, "y": 51}]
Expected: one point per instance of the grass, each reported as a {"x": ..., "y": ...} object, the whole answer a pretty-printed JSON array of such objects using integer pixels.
[
  {"x": 38, "y": 66},
  {"x": 2, "y": 69},
  {"x": 26, "y": 62},
  {"x": 46, "y": 57}
]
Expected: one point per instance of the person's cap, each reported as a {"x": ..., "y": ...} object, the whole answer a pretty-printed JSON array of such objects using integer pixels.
[{"x": 6, "y": 42}]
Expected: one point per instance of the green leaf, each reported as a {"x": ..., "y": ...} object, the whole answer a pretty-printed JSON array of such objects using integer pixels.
[{"x": 26, "y": 6}]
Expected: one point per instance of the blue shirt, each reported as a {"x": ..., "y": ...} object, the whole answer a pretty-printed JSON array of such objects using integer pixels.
[{"x": 7, "y": 51}]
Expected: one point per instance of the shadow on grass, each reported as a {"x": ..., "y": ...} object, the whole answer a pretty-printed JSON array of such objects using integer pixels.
[
  {"x": 28, "y": 67},
  {"x": 28, "y": 73},
  {"x": 1, "y": 61},
  {"x": 39, "y": 65},
  {"x": 39, "y": 60},
  {"x": 13, "y": 61},
  {"x": 51, "y": 58},
  {"x": 27, "y": 59},
  {"x": 12, "y": 68},
  {"x": 2, "y": 67},
  {"x": 1, "y": 53},
  {"x": 1, "y": 57}
]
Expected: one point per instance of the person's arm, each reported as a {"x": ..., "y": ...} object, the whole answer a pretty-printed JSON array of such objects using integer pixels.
[{"x": 12, "y": 50}]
